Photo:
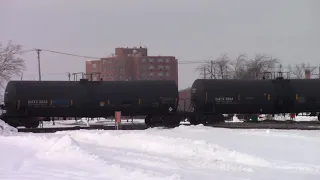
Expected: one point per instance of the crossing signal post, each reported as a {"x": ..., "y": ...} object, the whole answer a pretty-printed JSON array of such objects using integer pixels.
[{"x": 118, "y": 120}]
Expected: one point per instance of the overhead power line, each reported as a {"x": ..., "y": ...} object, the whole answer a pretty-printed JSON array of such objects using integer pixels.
[
  {"x": 28, "y": 50},
  {"x": 92, "y": 57},
  {"x": 98, "y": 58},
  {"x": 69, "y": 54}
]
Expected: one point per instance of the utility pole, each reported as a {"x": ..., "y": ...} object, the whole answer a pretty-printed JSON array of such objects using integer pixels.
[
  {"x": 75, "y": 75},
  {"x": 211, "y": 67},
  {"x": 39, "y": 67},
  {"x": 69, "y": 75}
]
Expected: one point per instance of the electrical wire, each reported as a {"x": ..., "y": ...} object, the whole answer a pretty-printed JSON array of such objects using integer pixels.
[
  {"x": 69, "y": 54},
  {"x": 92, "y": 57},
  {"x": 25, "y": 51},
  {"x": 98, "y": 58}
]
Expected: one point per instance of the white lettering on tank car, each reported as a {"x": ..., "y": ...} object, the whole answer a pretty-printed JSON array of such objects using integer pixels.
[
  {"x": 37, "y": 102},
  {"x": 223, "y": 99}
]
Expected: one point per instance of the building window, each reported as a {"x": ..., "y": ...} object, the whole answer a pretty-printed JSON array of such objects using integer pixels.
[
  {"x": 151, "y": 74},
  {"x": 167, "y": 60},
  {"x": 151, "y": 67},
  {"x": 143, "y": 75},
  {"x": 143, "y": 60},
  {"x": 167, "y": 73},
  {"x": 160, "y": 67},
  {"x": 160, "y": 60},
  {"x": 160, "y": 74},
  {"x": 167, "y": 67},
  {"x": 151, "y": 60},
  {"x": 145, "y": 67},
  {"x": 94, "y": 66}
]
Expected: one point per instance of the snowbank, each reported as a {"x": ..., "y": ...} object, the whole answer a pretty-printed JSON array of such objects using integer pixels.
[
  {"x": 236, "y": 119},
  {"x": 6, "y": 129}
]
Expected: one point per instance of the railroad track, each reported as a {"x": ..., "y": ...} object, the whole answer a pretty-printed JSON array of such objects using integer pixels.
[
  {"x": 283, "y": 122},
  {"x": 267, "y": 124},
  {"x": 92, "y": 127},
  {"x": 277, "y": 125}
]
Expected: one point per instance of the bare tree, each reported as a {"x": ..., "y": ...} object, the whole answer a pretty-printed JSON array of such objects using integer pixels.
[
  {"x": 239, "y": 67},
  {"x": 10, "y": 62},
  {"x": 260, "y": 64},
  {"x": 299, "y": 70},
  {"x": 203, "y": 70},
  {"x": 223, "y": 67},
  {"x": 216, "y": 69}
]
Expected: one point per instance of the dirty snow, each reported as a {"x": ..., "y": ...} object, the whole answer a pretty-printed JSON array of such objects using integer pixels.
[{"x": 186, "y": 152}]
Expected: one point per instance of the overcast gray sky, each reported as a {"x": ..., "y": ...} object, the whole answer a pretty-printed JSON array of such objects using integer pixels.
[{"x": 188, "y": 29}]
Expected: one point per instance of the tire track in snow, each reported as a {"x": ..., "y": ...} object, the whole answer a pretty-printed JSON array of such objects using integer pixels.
[
  {"x": 161, "y": 165},
  {"x": 162, "y": 148},
  {"x": 75, "y": 151},
  {"x": 61, "y": 157},
  {"x": 199, "y": 153}
]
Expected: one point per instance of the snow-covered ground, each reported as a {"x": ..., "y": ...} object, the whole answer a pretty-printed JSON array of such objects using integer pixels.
[
  {"x": 103, "y": 121},
  {"x": 186, "y": 152},
  {"x": 281, "y": 118},
  {"x": 287, "y": 117},
  {"x": 84, "y": 122}
]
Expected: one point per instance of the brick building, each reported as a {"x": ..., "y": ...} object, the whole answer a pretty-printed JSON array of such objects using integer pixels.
[
  {"x": 184, "y": 99},
  {"x": 134, "y": 64},
  {"x": 93, "y": 66}
]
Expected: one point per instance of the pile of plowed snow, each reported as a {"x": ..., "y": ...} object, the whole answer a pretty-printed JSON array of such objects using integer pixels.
[{"x": 6, "y": 129}]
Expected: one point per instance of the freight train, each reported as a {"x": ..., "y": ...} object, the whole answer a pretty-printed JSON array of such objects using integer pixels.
[
  {"x": 158, "y": 100},
  {"x": 212, "y": 98},
  {"x": 26, "y": 101}
]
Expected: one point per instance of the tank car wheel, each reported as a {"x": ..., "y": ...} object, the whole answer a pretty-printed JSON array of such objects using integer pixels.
[
  {"x": 213, "y": 119},
  {"x": 32, "y": 124},
  {"x": 193, "y": 120},
  {"x": 14, "y": 124},
  {"x": 11, "y": 122},
  {"x": 153, "y": 120},
  {"x": 205, "y": 120},
  {"x": 171, "y": 120},
  {"x": 148, "y": 121},
  {"x": 27, "y": 126},
  {"x": 220, "y": 118},
  {"x": 35, "y": 124}
]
